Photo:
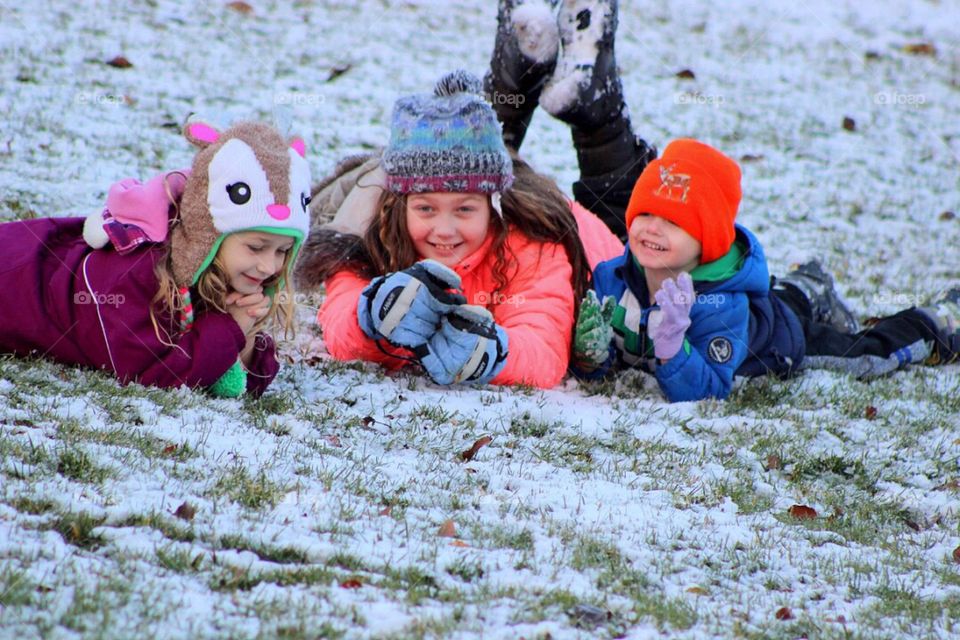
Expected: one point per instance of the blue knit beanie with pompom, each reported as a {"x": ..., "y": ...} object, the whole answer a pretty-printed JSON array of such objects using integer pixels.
[{"x": 448, "y": 141}]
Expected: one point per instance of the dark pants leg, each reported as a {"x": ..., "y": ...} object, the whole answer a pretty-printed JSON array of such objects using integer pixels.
[
  {"x": 611, "y": 159},
  {"x": 882, "y": 339}
]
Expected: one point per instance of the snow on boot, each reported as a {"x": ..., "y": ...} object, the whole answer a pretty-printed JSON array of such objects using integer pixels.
[
  {"x": 585, "y": 89},
  {"x": 524, "y": 56}
]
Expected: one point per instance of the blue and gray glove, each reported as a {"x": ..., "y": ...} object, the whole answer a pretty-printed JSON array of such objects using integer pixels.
[
  {"x": 469, "y": 347},
  {"x": 405, "y": 308}
]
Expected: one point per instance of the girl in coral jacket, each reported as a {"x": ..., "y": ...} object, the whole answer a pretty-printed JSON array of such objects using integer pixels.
[
  {"x": 173, "y": 282},
  {"x": 448, "y": 253}
]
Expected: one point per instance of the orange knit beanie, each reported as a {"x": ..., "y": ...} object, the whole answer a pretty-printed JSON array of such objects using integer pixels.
[{"x": 695, "y": 187}]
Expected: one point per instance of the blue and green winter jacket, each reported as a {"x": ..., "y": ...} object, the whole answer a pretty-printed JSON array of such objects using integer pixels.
[{"x": 736, "y": 328}]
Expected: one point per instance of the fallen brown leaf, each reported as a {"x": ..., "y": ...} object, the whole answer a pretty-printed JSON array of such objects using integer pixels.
[
  {"x": 170, "y": 449},
  {"x": 870, "y": 412},
  {"x": 185, "y": 511},
  {"x": 700, "y": 591},
  {"x": 920, "y": 49},
  {"x": 773, "y": 462},
  {"x": 351, "y": 583},
  {"x": 686, "y": 74},
  {"x": 447, "y": 530},
  {"x": 386, "y": 510},
  {"x": 948, "y": 215},
  {"x": 784, "y": 613},
  {"x": 459, "y": 543},
  {"x": 240, "y": 7},
  {"x": 849, "y": 123},
  {"x": 956, "y": 555},
  {"x": 120, "y": 62},
  {"x": 802, "y": 512},
  {"x": 468, "y": 455},
  {"x": 338, "y": 71}
]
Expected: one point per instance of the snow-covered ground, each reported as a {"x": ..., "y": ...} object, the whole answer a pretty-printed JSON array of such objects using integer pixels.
[{"x": 595, "y": 511}]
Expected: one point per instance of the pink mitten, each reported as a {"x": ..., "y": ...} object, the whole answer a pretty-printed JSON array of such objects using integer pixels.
[
  {"x": 668, "y": 327},
  {"x": 145, "y": 205}
]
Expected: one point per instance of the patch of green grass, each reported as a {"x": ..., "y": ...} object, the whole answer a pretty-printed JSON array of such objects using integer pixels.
[
  {"x": 18, "y": 208},
  {"x": 845, "y": 469},
  {"x": 525, "y": 426},
  {"x": 767, "y": 396},
  {"x": 911, "y": 609},
  {"x": 431, "y": 626},
  {"x": 264, "y": 411},
  {"x": 743, "y": 492},
  {"x": 94, "y": 608},
  {"x": 571, "y": 450},
  {"x": 465, "y": 570},
  {"x": 16, "y": 587},
  {"x": 253, "y": 492},
  {"x": 76, "y": 464},
  {"x": 33, "y": 506},
  {"x": 282, "y": 555},
  {"x": 77, "y": 529},
  {"x": 860, "y": 519},
  {"x": 180, "y": 559},
  {"x": 161, "y": 522},
  {"x": 28, "y": 452},
  {"x": 244, "y": 579},
  {"x": 416, "y": 583},
  {"x": 500, "y": 537},
  {"x": 669, "y": 613},
  {"x": 308, "y": 630},
  {"x": 615, "y": 572},
  {"x": 433, "y": 413},
  {"x": 149, "y": 446},
  {"x": 344, "y": 560}
]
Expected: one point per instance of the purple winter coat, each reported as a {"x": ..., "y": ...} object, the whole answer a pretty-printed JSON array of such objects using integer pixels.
[{"x": 65, "y": 301}]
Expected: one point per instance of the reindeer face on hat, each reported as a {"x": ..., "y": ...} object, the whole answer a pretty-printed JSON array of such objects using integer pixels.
[{"x": 247, "y": 178}]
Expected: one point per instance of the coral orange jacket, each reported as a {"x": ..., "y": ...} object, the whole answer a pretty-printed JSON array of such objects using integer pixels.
[{"x": 535, "y": 308}]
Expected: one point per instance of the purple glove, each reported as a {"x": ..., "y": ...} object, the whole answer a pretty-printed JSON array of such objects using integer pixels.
[{"x": 668, "y": 327}]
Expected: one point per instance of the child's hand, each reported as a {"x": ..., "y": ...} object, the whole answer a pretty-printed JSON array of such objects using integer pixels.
[
  {"x": 593, "y": 333},
  {"x": 668, "y": 327},
  {"x": 247, "y": 309},
  {"x": 406, "y": 307}
]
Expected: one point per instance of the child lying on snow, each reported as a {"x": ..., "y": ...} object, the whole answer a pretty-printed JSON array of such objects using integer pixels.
[
  {"x": 690, "y": 300},
  {"x": 173, "y": 282}
]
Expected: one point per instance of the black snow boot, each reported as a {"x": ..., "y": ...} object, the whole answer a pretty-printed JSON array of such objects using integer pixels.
[
  {"x": 524, "y": 56},
  {"x": 585, "y": 91}
]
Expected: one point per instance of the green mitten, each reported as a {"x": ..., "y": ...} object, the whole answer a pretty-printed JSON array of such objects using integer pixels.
[
  {"x": 593, "y": 333},
  {"x": 232, "y": 384}
]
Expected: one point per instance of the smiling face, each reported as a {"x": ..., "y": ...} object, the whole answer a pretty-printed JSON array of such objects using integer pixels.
[
  {"x": 447, "y": 227},
  {"x": 661, "y": 247},
  {"x": 249, "y": 258}
]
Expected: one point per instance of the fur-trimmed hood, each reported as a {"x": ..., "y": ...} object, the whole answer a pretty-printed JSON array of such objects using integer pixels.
[{"x": 341, "y": 208}]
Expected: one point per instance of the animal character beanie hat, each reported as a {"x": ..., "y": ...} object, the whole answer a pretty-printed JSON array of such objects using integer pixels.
[
  {"x": 248, "y": 178},
  {"x": 448, "y": 141},
  {"x": 697, "y": 188}
]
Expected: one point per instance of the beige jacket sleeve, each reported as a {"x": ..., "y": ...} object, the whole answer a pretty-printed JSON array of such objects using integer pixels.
[{"x": 348, "y": 202}]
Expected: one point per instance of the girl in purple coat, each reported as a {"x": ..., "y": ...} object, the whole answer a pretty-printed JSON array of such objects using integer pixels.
[{"x": 173, "y": 282}]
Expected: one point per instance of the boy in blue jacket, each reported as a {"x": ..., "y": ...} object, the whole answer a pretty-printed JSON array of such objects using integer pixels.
[{"x": 691, "y": 300}]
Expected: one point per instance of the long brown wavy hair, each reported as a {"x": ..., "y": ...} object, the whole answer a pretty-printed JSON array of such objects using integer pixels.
[{"x": 534, "y": 206}]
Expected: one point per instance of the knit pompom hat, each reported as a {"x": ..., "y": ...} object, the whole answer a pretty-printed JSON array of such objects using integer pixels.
[
  {"x": 697, "y": 188},
  {"x": 449, "y": 141}
]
